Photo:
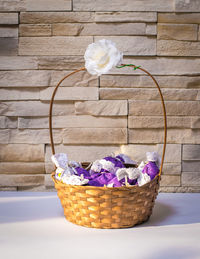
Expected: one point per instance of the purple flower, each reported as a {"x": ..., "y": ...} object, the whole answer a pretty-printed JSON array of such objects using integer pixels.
[{"x": 151, "y": 169}]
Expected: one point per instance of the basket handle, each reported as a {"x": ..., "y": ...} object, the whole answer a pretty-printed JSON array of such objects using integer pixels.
[{"x": 82, "y": 69}]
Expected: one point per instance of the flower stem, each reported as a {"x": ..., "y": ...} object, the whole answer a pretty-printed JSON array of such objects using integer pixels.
[{"x": 128, "y": 65}]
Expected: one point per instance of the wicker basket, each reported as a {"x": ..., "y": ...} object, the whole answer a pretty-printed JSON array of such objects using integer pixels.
[{"x": 105, "y": 207}]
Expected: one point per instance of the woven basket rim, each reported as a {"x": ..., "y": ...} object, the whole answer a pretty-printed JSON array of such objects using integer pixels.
[{"x": 103, "y": 188}]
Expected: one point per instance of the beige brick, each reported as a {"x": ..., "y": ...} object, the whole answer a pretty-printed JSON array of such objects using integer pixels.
[
  {"x": 82, "y": 78},
  {"x": 8, "y": 189},
  {"x": 14, "y": 5},
  {"x": 8, "y": 122},
  {"x": 55, "y": 17},
  {"x": 157, "y": 122},
  {"x": 71, "y": 93},
  {"x": 175, "y": 66},
  {"x": 186, "y": 6},
  {"x": 142, "y": 136},
  {"x": 73, "y": 122},
  {"x": 151, "y": 29},
  {"x": 21, "y": 168},
  {"x": 133, "y": 45},
  {"x": 9, "y": 32},
  {"x": 21, "y": 180},
  {"x": 128, "y": 81},
  {"x": 95, "y": 136},
  {"x": 28, "y": 108},
  {"x": 125, "y": 17},
  {"x": 191, "y": 166},
  {"x": 24, "y": 78},
  {"x": 61, "y": 62},
  {"x": 177, "y": 31},
  {"x": 9, "y": 18},
  {"x": 182, "y": 108},
  {"x": 184, "y": 18},
  {"x": 170, "y": 180},
  {"x": 34, "y": 30},
  {"x": 195, "y": 123},
  {"x": 102, "y": 108},
  {"x": 17, "y": 63},
  {"x": 56, "y": 45},
  {"x": 180, "y": 189},
  {"x": 21, "y": 94},
  {"x": 190, "y": 179},
  {"x": 48, "y": 5},
  {"x": 28, "y": 136},
  {"x": 147, "y": 94},
  {"x": 33, "y": 188},
  {"x": 48, "y": 181},
  {"x": 172, "y": 169},
  {"x": 22, "y": 153},
  {"x": 4, "y": 136},
  {"x": 8, "y": 46},
  {"x": 177, "y": 48},
  {"x": 191, "y": 152},
  {"x": 67, "y": 29},
  {"x": 199, "y": 34},
  {"x": 172, "y": 154},
  {"x": 126, "y": 5}
]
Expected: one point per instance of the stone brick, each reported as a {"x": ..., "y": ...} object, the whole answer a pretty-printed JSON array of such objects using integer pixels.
[
  {"x": 177, "y": 48},
  {"x": 125, "y": 17},
  {"x": 195, "y": 123},
  {"x": 21, "y": 168},
  {"x": 151, "y": 29},
  {"x": 133, "y": 45},
  {"x": 8, "y": 46},
  {"x": 182, "y": 108},
  {"x": 17, "y": 63},
  {"x": 61, "y": 62},
  {"x": 28, "y": 136},
  {"x": 22, "y": 94},
  {"x": 8, "y": 189},
  {"x": 22, "y": 153},
  {"x": 21, "y": 180},
  {"x": 177, "y": 32},
  {"x": 191, "y": 166},
  {"x": 102, "y": 108},
  {"x": 180, "y": 189},
  {"x": 34, "y": 30},
  {"x": 8, "y": 122},
  {"x": 172, "y": 154},
  {"x": 190, "y": 179},
  {"x": 170, "y": 180},
  {"x": 28, "y": 108},
  {"x": 55, "y": 17},
  {"x": 9, "y": 32},
  {"x": 14, "y": 5},
  {"x": 71, "y": 93},
  {"x": 48, "y": 181},
  {"x": 186, "y": 6},
  {"x": 157, "y": 122},
  {"x": 142, "y": 136},
  {"x": 126, "y": 5},
  {"x": 95, "y": 136},
  {"x": 184, "y": 18},
  {"x": 82, "y": 78},
  {"x": 175, "y": 66},
  {"x": 172, "y": 169},
  {"x": 24, "y": 78},
  {"x": 191, "y": 152},
  {"x": 67, "y": 29},
  {"x": 4, "y": 136},
  {"x": 73, "y": 122},
  {"x": 128, "y": 81},
  {"x": 9, "y": 18},
  {"x": 147, "y": 94},
  {"x": 48, "y": 5},
  {"x": 56, "y": 45}
]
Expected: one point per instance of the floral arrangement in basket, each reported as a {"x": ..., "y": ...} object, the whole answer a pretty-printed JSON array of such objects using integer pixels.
[{"x": 128, "y": 188}]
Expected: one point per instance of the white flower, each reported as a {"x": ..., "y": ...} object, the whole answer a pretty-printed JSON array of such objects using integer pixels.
[
  {"x": 101, "y": 56},
  {"x": 143, "y": 179},
  {"x": 74, "y": 180},
  {"x": 131, "y": 173}
]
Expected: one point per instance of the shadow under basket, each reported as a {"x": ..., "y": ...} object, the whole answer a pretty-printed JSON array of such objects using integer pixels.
[{"x": 107, "y": 207}]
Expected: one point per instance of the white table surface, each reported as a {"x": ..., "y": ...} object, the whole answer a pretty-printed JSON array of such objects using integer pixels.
[{"x": 32, "y": 225}]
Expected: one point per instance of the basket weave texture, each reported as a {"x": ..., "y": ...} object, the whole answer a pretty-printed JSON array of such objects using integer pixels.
[{"x": 107, "y": 207}]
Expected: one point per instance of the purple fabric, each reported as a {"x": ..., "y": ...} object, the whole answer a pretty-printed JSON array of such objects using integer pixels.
[
  {"x": 81, "y": 171},
  {"x": 151, "y": 169},
  {"x": 119, "y": 157},
  {"x": 115, "y": 161}
]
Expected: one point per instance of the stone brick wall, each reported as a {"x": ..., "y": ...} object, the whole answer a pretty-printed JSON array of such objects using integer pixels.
[{"x": 43, "y": 40}]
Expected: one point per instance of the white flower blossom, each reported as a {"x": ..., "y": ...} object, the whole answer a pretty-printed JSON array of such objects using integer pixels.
[
  {"x": 143, "y": 179},
  {"x": 74, "y": 180},
  {"x": 101, "y": 56}
]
